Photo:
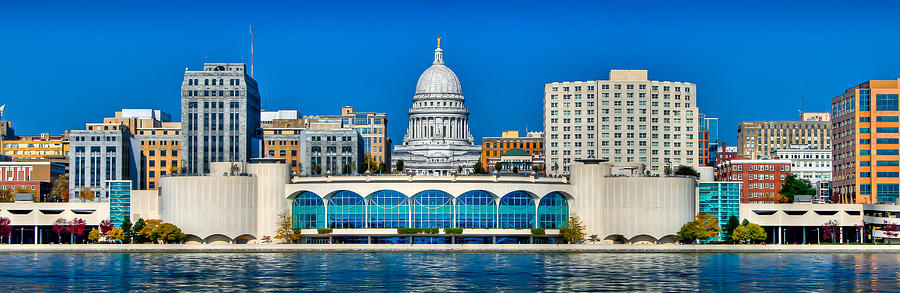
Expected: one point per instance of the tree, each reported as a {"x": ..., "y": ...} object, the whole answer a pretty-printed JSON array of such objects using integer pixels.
[
  {"x": 686, "y": 171},
  {"x": 794, "y": 186},
  {"x": 498, "y": 167},
  {"x": 116, "y": 234},
  {"x": 749, "y": 233},
  {"x": 167, "y": 233},
  {"x": 831, "y": 231},
  {"x": 6, "y": 196},
  {"x": 285, "y": 233},
  {"x": 515, "y": 169},
  {"x": 478, "y": 168},
  {"x": 60, "y": 190},
  {"x": 593, "y": 238},
  {"x": 127, "y": 229},
  {"x": 149, "y": 225},
  {"x": 105, "y": 226},
  {"x": 86, "y": 194},
  {"x": 317, "y": 169},
  {"x": 60, "y": 227},
  {"x": 76, "y": 227},
  {"x": 5, "y": 228},
  {"x": 690, "y": 232},
  {"x": 708, "y": 225},
  {"x": 757, "y": 233},
  {"x": 732, "y": 224},
  {"x": 94, "y": 235},
  {"x": 400, "y": 165},
  {"x": 136, "y": 231},
  {"x": 173, "y": 170},
  {"x": 573, "y": 230},
  {"x": 740, "y": 234}
]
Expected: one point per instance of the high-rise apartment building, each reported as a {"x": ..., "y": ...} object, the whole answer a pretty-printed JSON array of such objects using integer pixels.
[
  {"x": 627, "y": 118},
  {"x": 220, "y": 115},
  {"x": 760, "y": 139},
  {"x": 866, "y": 144}
]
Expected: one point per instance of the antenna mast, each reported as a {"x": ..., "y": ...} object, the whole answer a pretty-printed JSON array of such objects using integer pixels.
[
  {"x": 251, "y": 50},
  {"x": 802, "y": 101}
]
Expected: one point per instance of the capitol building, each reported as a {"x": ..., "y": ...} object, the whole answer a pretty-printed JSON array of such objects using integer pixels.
[{"x": 438, "y": 141}]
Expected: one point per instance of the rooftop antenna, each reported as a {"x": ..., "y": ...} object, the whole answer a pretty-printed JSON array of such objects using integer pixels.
[
  {"x": 800, "y": 110},
  {"x": 2, "y": 112},
  {"x": 251, "y": 50}
]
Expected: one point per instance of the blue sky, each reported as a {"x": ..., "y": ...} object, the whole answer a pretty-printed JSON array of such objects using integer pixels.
[{"x": 71, "y": 63}]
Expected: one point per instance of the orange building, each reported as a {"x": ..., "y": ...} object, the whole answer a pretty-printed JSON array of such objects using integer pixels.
[
  {"x": 160, "y": 152},
  {"x": 36, "y": 147},
  {"x": 494, "y": 147},
  {"x": 281, "y": 139},
  {"x": 866, "y": 143}
]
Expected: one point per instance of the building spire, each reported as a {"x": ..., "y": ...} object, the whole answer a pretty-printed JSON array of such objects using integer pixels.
[{"x": 438, "y": 54}]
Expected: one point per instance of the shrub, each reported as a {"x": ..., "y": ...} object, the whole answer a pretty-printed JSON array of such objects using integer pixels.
[
  {"x": 432, "y": 230},
  {"x": 453, "y": 231},
  {"x": 537, "y": 231},
  {"x": 325, "y": 230},
  {"x": 408, "y": 231}
]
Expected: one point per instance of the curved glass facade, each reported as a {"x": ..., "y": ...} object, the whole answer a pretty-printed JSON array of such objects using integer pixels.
[
  {"x": 432, "y": 209},
  {"x": 553, "y": 211},
  {"x": 346, "y": 209},
  {"x": 308, "y": 211},
  {"x": 476, "y": 209},
  {"x": 516, "y": 211},
  {"x": 388, "y": 209}
]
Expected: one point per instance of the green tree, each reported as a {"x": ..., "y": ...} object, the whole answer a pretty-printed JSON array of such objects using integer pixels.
[
  {"x": 703, "y": 227},
  {"x": 399, "y": 165},
  {"x": 732, "y": 224},
  {"x": 690, "y": 232},
  {"x": 478, "y": 168},
  {"x": 317, "y": 169},
  {"x": 749, "y": 233},
  {"x": 167, "y": 233},
  {"x": 498, "y": 166},
  {"x": 60, "y": 190},
  {"x": 686, "y": 171},
  {"x": 149, "y": 226},
  {"x": 573, "y": 230},
  {"x": 136, "y": 231},
  {"x": 6, "y": 196},
  {"x": 94, "y": 235},
  {"x": 285, "y": 233},
  {"x": 128, "y": 230},
  {"x": 515, "y": 169},
  {"x": 794, "y": 186}
]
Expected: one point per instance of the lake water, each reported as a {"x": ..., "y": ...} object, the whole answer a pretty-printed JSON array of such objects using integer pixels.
[{"x": 393, "y": 272}]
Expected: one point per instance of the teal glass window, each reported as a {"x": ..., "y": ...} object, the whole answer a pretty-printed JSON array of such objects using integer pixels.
[
  {"x": 865, "y": 141},
  {"x": 308, "y": 211},
  {"x": 553, "y": 211},
  {"x": 888, "y": 192},
  {"x": 865, "y": 189},
  {"x": 865, "y": 100},
  {"x": 884, "y": 118},
  {"x": 865, "y": 152},
  {"x": 865, "y": 163},
  {"x": 865, "y": 130},
  {"x": 885, "y": 130},
  {"x": 864, "y": 119},
  {"x": 432, "y": 209},
  {"x": 346, "y": 209},
  {"x": 886, "y": 102},
  {"x": 516, "y": 211},
  {"x": 388, "y": 209},
  {"x": 476, "y": 209},
  {"x": 888, "y": 174},
  {"x": 887, "y": 140},
  {"x": 887, "y": 163},
  {"x": 888, "y": 152},
  {"x": 865, "y": 174}
]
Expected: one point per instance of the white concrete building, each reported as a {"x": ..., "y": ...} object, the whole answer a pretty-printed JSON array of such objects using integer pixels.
[
  {"x": 626, "y": 119},
  {"x": 808, "y": 163},
  {"x": 438, "y": 141}
]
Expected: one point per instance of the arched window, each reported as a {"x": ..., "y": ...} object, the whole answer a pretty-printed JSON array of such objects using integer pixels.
[
  {"x": 308, "y": 211},
  {"x": 346, "y": 209},
  {"x": 388, "y": 209},
  {"x": 432, "y": 209},
  {"x": 476, "y": 209},
  {"x": 553, "y": 211},
  {"x": 516, "y": 211}
]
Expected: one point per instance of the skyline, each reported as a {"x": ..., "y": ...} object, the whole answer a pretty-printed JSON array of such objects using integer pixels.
[{"x": 370, "y": 58}]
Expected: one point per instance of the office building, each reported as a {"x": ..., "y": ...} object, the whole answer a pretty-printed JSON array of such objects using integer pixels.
[
  {"x": 373, "y": 129},
  {"x": 492, "y": 148},
  {"x": 100, "y": 153},
  {"x": 330, "y": 152},
  {"x": 760, "y": 139},
  {"x": 823, "y": 192},
  {"x": 808, "y": 163},
  {"x": 866, "y": 148},
  {"x": 119, "y": 201},
  {"x": 36, "y": 147},
  {"x": 761, "y": 180},
  {"x": 815, "y": 116},
  {"x": 722, "y": 200},
  {"x": 627, "y": 118},
  {"x": 30, "y": 177},
  {"x": 438, "y": 141},
  {"x": 220, "y": 113},
  {"x": 159, "y": 140},
  {"x": 708, "y": 140},
  {"x": 282, "y": 140}
]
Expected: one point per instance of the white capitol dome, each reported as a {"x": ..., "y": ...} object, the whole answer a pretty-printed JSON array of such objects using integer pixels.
[{"x": 438, "y": 79}]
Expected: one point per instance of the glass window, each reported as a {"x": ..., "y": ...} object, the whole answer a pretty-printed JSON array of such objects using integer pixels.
[
  {"x": 308, "y": 211},
  {"x": 346, "y": 209},
  {"x": 865, "y": 189},
  {"x": 432, "y": 209},
  {"x": 882, "y": 118},
  {"x": 888, "y": 152},
  {"x": 885, "y": 130},
  {"x": 553, "y": 211},
  {"x": 476, "y": 209},
  {"x": 864, "y": 100},
  {"x": 388, "y": 209},
  {"x": 885, "y": 102},
  {"x": 516, "y": 211}
]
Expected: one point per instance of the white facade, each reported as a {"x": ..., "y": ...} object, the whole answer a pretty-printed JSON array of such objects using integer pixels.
[
  {"x": 438, "y": 140},
  {"x": 806, "y": 163},
  {"x": 269, "y": 116},
  {"x": 626, "y": 119}
]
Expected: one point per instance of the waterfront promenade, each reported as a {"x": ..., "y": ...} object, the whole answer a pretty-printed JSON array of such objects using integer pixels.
[{"x": 439, "y": 248}]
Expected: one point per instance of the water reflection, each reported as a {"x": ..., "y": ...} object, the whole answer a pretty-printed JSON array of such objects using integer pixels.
[{"x": 450, "y": 272}]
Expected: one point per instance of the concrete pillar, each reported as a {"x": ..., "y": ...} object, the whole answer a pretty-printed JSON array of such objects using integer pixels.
[
  {"x": 779, "y": 235},
  {"x": 804, "y": 235},
  {"x": 36, "y": 234},
  {"x": 842, "y": 234}
]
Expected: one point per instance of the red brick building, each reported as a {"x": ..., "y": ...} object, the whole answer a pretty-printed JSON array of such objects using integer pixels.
[
  {"x": 33, "y": 177},
  {"x": 762, "y": 179}
]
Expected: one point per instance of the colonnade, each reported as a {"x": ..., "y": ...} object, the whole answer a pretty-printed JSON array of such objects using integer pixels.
[{"x": 447, "y": 127}]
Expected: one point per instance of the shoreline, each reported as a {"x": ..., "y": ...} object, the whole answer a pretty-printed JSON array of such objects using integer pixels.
[{"x": 440, "y": 248}]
